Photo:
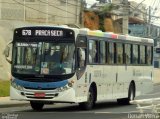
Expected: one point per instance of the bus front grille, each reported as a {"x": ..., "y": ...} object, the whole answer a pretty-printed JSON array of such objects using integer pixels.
[
  {"x": 40, "y": 88},
  {"x": 32, "y": 95}
]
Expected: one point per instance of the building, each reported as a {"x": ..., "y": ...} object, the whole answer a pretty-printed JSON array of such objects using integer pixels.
[{"x": 49, "y": 11}]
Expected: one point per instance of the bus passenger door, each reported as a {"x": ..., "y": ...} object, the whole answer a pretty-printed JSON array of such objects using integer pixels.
[{"x": 81, "y": 88}]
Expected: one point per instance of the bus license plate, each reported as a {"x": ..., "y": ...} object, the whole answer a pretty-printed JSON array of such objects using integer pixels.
[{"x": 39, "y": 94}]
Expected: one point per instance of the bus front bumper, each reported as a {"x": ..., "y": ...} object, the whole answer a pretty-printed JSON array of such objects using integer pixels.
[{"x": 43, "y": 95}]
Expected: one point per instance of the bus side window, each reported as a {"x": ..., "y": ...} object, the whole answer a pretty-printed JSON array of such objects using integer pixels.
[
  {"x": 127, "y": 55},
  {"x": 110, "y": 53},
  {"x": 81, "y": 51},
  {"x": 115, "y": 53},
  {"x": 107, "y": 52},
  {"x": 142, "y": 54},
  {"x": 119, "y": 53},
  {"x": 148, "y": 55},
  {"x": 135, "y": 54},
  {"x": 93, "y": 51},
  {"x": 81, "y": 57},
  {"x": 102, "y": 52}
]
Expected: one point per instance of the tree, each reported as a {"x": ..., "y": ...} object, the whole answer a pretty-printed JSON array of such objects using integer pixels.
[{"x": 104, "y": 1}]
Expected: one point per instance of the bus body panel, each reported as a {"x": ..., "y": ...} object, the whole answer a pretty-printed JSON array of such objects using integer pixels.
[{"x": 112, "y": 80}]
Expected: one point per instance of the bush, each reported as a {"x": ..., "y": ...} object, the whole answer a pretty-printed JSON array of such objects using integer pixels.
[{"x": 4, "y": 88}]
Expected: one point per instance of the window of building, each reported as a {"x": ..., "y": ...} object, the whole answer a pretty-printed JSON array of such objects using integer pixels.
[{"x": 156, "y": 64}]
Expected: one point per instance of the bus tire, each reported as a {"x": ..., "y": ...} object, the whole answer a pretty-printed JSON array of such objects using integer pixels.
[
  {"x": 90, "y": 101},
  {"x": 131, "y": 96},
  {"x": 36, "y": 105}
]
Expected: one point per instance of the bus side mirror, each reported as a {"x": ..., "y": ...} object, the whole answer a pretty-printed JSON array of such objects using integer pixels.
[{"x": 6, "y": 51}]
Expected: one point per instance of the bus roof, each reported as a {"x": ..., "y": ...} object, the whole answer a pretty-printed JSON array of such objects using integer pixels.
[
  {"x": 112, "y": 35},
  {"x": 98, "y": 33}
]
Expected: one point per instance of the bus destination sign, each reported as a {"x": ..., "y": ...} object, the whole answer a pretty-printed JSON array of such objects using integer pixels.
[{"x": 58, "y": 33}]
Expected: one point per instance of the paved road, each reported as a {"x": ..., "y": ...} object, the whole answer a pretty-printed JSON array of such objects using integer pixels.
[{"x": 103, "y": 110}]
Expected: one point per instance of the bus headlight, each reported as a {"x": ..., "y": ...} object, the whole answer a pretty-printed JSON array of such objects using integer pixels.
[
  {"x": 18, "y": 87},
  {"x": 66, "y": 87},
  {"x": 70, "y": 83}
]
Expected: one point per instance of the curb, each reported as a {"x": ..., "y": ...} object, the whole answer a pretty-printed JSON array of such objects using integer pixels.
[
  {"x": 156, "y": 84},
  {"x": 14, "y": 105}
]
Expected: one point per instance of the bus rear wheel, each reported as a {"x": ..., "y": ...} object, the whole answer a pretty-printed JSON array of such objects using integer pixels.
[
  {"x": 36, "y": 105},
  {"x": 90, "y": 101},
  {"x": 131, "y": 95}
]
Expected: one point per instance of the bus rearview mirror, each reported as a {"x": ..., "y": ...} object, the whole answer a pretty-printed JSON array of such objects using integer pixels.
[{"x": 6, "y": 51}]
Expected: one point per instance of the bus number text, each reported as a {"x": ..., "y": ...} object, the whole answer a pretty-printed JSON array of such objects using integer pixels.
[{"x": 26, "y": 32}]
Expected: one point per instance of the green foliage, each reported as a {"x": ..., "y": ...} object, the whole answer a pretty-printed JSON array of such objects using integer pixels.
[
  {"x": 4, "y": 88},
  {"x": 108, "y": 8},
  {"x": 105, "y": 12}
]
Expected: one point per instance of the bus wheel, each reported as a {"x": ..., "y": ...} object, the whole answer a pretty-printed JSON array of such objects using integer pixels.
[
  {"x": 131, "y": 96},
  {"x": 36, "y": 105},
  {"x": 90, "y": 101},
  {"x": 131, "y": 93}
]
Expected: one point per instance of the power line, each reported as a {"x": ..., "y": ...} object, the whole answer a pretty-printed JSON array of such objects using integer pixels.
[
  {"x": 154, "y": 6},
  {"x": 43, "y": 5},
  {"x": 140, "y": 3},
  {"x": 48, "y": 3},
  {"x": 72, "y": 3},
  {"x": 145, "y": 13},
  {"x": 41, "y": 11},
  {"x": 67, "y": 3}
]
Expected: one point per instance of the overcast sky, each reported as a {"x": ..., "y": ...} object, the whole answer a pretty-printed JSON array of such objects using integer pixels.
[{"x": 90, "y": 1}]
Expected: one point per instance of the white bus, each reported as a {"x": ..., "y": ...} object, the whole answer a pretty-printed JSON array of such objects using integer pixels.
[{"x": 69, "y": 65}]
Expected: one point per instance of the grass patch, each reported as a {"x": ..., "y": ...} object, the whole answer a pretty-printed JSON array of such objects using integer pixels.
[{"x": 4, "y": 88}]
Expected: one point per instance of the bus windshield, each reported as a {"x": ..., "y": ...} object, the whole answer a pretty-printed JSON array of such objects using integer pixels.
[{"x": 45, "y": 58}]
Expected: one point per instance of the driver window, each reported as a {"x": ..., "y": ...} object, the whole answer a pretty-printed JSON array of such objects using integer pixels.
[
  {"x": 81, "y": 57},
  {"x": 81, "y": 51}
]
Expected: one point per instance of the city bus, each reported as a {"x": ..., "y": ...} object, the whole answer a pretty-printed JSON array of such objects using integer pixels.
[{"x": 59, "y": 64}]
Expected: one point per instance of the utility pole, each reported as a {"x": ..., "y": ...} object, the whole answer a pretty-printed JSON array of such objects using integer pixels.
[
  {"x": 82, "y": 13},
  {"x": 125, "y": 17},
  {"x": 77, "y": 12},
  {"x": 149, "y": 22},
  {"x": 24, "y": 10}
]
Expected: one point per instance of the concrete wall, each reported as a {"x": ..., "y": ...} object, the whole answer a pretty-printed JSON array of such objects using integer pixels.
[
  {"x": 41, "y": 11},
  {"x": 6, "y": 35}
]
